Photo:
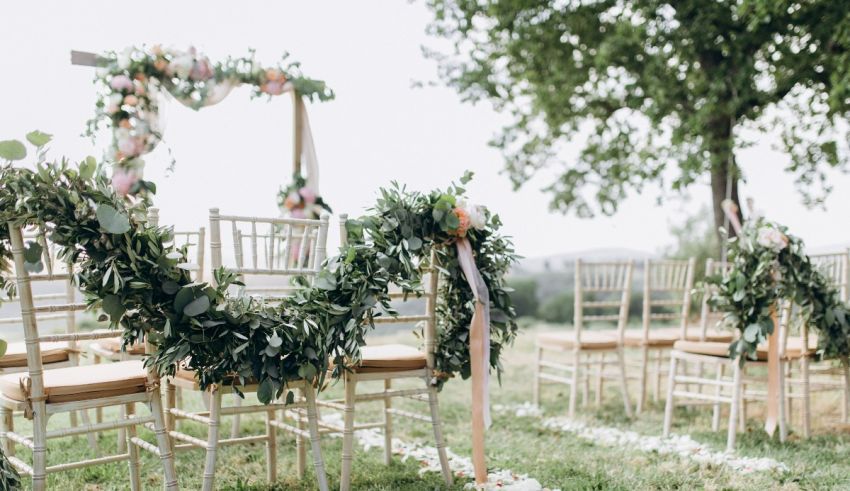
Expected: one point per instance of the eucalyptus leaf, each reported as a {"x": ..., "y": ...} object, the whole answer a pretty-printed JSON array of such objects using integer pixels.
[
  {"x": 12, "y": 150},
  {"x": 197, "y": 306},
  {"x": 38, "y": 138},
  {"x": 111, "y": 220}
]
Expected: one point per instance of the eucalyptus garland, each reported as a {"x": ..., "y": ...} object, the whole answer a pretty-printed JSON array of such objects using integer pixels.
[
  {"x": 768, "y": 266},
  {"x": 133, "y": 273}
]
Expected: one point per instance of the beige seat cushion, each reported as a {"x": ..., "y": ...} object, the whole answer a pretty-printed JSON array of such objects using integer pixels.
[
  {"x": 655, "y": 337},
  {"x": 16, "y": 354},
  {"x": 590, "y": 340},
  {"x": 114, "y": 345},
  {"x": 83, "y": 382},
  {"x": 390, "y": 358},
  {"x": 793, "y": 348}
]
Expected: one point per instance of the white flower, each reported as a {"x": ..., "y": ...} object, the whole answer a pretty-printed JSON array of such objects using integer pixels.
[
  {"x": 477, "y": 214},
  {"x": 124, "y": 59},
  {"x": 772, "y": 238},
  {"x": 116, "y": 99},
  {"x": 181, "y": 65}
]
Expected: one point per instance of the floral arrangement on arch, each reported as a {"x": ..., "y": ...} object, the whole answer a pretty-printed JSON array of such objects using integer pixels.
[
  {"x": 769, "y": 265},
  {"x": 300, "y": 201},
  {"x": 131, "y": 82}
]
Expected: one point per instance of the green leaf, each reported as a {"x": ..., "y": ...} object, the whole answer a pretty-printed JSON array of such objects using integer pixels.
[
  {"x": 182, "y": 299},
  {"x": 197, "y": 306},
  {"x": 170, "y": 287},
  {"x": 33, "y": 251},
  {"x": 112, "y": 305},
  {"x": 326, "y": 281},
  {"x": 87, "y": 168},
  {"x": 111, "y": 220},
  {"x": 3, "y": 346},
  {"x": 39, "y": 138},
  {"x": 12, "y": 150},
  {"x": 307, "y": 371},
  {"x": 751, "y": 333},
  {"x": 275, "y": 341},
  {"x": 265, "y": 391}
]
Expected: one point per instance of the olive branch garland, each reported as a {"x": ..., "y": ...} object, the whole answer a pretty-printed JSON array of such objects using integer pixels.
[
  {"x": 769, "y": 265},
  {"x": 133, "y": 272}
]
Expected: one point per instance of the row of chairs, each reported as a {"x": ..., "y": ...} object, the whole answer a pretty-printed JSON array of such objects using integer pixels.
[
  {"x": 602, "y": 295},
  {"x": 266, "y": 254}
]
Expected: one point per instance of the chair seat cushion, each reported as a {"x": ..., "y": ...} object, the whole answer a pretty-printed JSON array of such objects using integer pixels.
[
  {"x": 82, "y": 383},
  {"x": 16, "y": 354},
  {"x": 390, "y": 358},
  {"x": 589, "y": 339},
  {"x": 655, "y": 337},
  {"x": 114, "y": 345},
  {"x": 793, "y": 348}
]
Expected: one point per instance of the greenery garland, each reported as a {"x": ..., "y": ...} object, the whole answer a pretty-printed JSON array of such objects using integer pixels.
[
  {"x": 769, "y": 265},
  {"x": 134, "y": 273}
]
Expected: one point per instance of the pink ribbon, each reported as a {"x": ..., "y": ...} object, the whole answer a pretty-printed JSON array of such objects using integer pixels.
[{"x": 479, "y": 351}]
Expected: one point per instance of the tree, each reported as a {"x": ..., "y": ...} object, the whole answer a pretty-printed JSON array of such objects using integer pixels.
[{"x": 661, "y": 89}]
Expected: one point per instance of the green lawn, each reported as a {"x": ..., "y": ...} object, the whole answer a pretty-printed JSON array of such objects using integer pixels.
[{"x": 557, "y": 460}]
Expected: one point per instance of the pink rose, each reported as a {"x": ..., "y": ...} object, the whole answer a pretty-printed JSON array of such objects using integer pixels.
[
  {"x": 123, "y": 180},
  {"x": 130, "y": 147},
  {"x": 201, "y": 70},
  {"x": 121, "y": 82},
  {"x": 273, "y": 87},
  {"x": 308, "y": 194},
  {"x": 297, "y": 213}
]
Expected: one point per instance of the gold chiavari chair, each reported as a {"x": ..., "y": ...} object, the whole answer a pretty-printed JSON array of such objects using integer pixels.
[
  {"x": 391, "y": 363},
  {"x": 602, "y": 291},
  {"x": 41, "y": 393},
  {"x": 305, "y": 248}
]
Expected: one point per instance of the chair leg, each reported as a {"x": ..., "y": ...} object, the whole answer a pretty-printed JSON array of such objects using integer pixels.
[
  {"x": 744, "y": 406},
  {"x": 656, "y": 388},
  {"x": 300, "y": 445},
  {"x": 845, "y": 406},
  {"x": 585, "y": 382},
  {"x": 624, "y": 386},
  {"x": 538, "y": 357},
  {"x": 8, "y": 424},
  {"x": 92, "y": 437},
  {"x": 718, "y": 392},
  {"x": 98, "y": 417},
  {"x": 789, "y": 374},
  {"x": 783, "y": 424},
  {"x": 348, "y": 432},
  {"x": 39, "y": 452},
  {"x": 235, "y": 424},
  {"x": 806, "y": 403},
  {"x": 644, "y": 361},
  {"x": 733, "y": 411},
  {"x": 313, "y": 425},
  {"x": 574, "y": 384},
  {"x": 271, "y": 448},
  {"x": 671, "y": 386},
  {"x": 600, "y": 379},
  {"x": 212, "y": 438},
  {"x": 135, "y": 478},
  {"x": 163, "y": 441},
  {"x": 436, "y": 422},
  {"x": 388, "y": 425}
]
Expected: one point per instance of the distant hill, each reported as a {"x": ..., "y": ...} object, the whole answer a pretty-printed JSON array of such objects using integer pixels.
[{"x": 564, "y": 262}]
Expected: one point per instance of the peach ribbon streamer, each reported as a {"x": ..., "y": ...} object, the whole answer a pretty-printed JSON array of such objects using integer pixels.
[
  {"x": 773, "y": 378},
  {"x": 479, "y": 350}
]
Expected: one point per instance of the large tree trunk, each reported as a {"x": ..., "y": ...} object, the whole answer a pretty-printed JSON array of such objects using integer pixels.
[{"x": 720, "y": 180}]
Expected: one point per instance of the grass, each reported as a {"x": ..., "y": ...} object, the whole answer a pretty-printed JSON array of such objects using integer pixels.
[{"x": 557, "y": 460}]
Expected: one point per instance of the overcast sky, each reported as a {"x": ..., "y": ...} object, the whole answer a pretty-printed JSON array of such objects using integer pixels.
[{"x": 379, "y": 128}]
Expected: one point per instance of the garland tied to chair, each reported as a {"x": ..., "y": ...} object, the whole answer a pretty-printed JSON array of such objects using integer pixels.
[
  {"x": 769, "y": 265},
  {"x": 140, "y": 280}
]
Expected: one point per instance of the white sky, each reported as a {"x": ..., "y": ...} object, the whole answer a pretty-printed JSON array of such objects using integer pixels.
[{"x": 236, "y": 155}]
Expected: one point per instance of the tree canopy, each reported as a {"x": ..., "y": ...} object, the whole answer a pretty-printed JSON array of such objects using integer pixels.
[{"x": 660, "y": 90}]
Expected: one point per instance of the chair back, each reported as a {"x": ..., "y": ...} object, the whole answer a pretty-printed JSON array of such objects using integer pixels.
[
  {"x": 194, "y": 240},
  {"x": 707, "y": 314},
  {"x": 271, "y": 251},
  {"x": 30, "y": 312},
  {"x": 667, "y": 286},
  {"x": 55, "y": 285},
  {"x": 426, "y": 315},
  {"x": 836, "y": 267},
  {"x": 604, "y": 289}
]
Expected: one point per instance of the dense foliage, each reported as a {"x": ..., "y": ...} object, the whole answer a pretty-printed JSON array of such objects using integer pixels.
[
  {"x": 133, "y": 272},
  {"x": 661, "y": 90},
  {"x": 769, "y": 266}
]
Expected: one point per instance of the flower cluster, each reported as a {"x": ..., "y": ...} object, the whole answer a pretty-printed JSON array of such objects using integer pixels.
[
  {"x": 299, "y": 201},
  {"x": 131, "y": 82},
  {"x": 769, "y": 266},
  {"x": 469, "y": 216}
]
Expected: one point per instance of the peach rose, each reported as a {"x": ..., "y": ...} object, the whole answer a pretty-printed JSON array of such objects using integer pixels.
[
  {"x": 463, "y": 226},
  {"x": 272, "y": 74},
  {"x": 125, "y": 123},
  {"x": 131, "y": 100},
  {"x": 160, "y": 64}
]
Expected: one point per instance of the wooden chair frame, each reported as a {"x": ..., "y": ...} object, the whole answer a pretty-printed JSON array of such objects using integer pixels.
[
  {"x": 667, "y": 284},
  {"x": 40, "y": 409},
  {"x": 427, "y": 393},
  {"x": 612, "y": 278},
  {"x": 310, "y": 254}
]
